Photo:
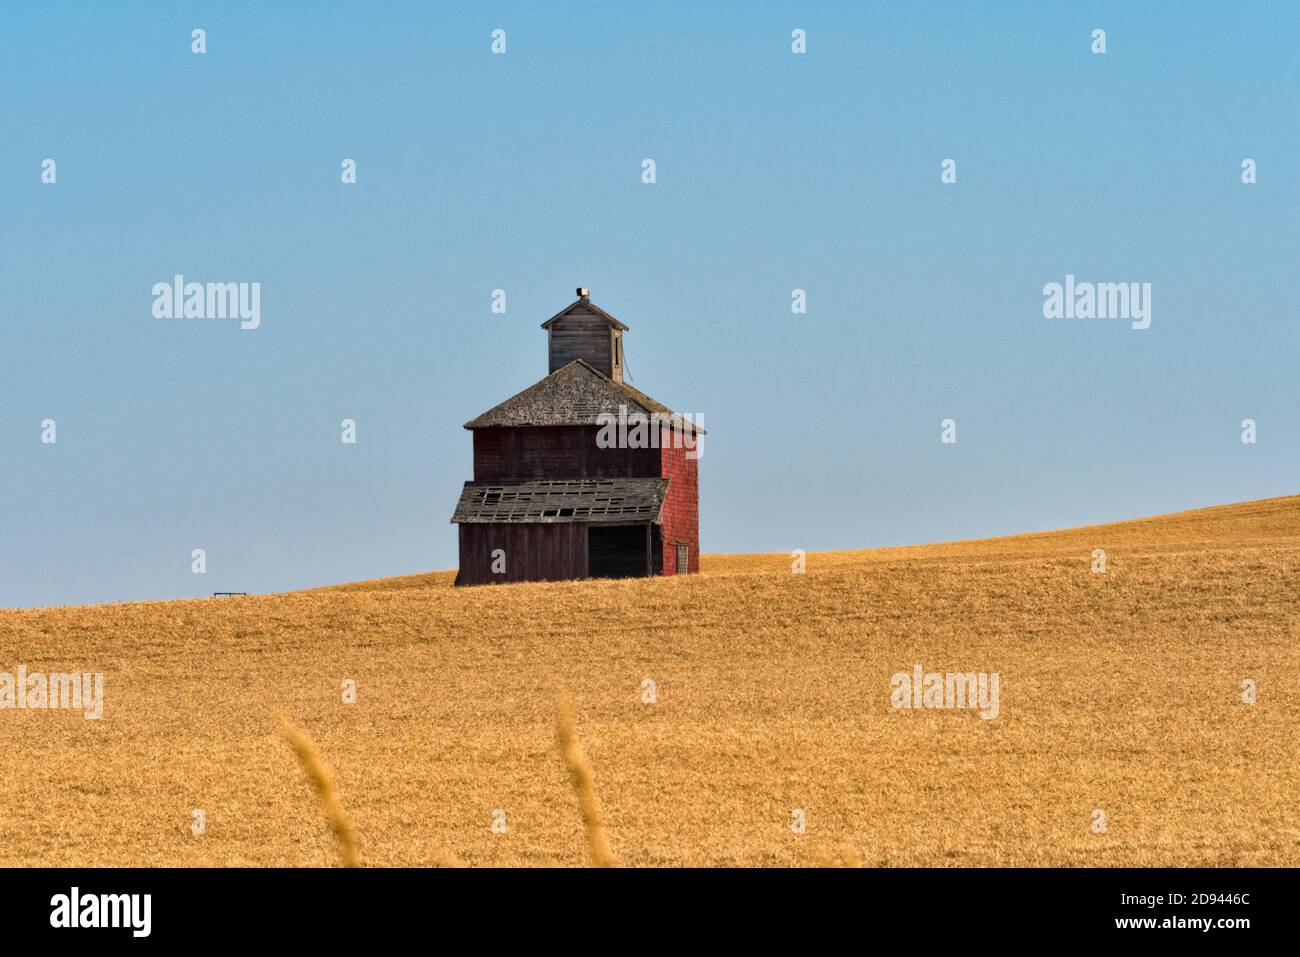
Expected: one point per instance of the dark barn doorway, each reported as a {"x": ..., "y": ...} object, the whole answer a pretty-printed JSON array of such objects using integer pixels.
[{"x": 618, "y": 551}]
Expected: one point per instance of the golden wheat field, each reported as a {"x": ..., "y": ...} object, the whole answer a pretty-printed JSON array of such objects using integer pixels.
[{"x": 1120, "y": 692}]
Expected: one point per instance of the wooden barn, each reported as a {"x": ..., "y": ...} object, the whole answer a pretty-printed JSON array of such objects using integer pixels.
[{"x": 562, "y": 491}]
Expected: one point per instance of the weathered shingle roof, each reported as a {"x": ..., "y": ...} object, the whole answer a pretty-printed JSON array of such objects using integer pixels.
[
  {"x": 574, "y": 395},
  {"x": 595, "y": 501}
]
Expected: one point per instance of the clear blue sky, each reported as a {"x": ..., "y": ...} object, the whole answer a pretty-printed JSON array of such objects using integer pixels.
[{"x": 522, "y": 171}]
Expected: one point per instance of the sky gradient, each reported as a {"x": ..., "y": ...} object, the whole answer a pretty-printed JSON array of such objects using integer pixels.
[{"x": 522, "y": 171}]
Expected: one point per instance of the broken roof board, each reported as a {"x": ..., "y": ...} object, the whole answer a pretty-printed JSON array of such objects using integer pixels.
[{"x": 594, "y": 501}]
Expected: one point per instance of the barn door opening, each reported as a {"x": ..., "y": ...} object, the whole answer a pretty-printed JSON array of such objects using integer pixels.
[
  {"x": 617, "y": 551},
  {"x": 683, "y": 559}
]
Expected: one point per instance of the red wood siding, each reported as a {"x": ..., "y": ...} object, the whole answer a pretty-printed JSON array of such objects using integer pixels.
[
  {"x": 681, "y": 515},
  {"x": 541, "y": 552},
  {"x": 555, "y": 452}
]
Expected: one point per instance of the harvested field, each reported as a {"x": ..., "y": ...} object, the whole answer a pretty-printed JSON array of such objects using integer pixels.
[{"x": 1120, "y": 692}]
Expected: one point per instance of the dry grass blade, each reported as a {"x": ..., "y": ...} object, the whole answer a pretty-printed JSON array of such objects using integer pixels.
[
  {"x": 323, "y": 782},
  {"x": 593, "y": 819}
]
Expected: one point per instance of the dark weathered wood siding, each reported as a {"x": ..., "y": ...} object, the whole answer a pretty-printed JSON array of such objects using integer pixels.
[
  {"x": 555, "y": 452},
  {"x": 541, "y": 552},
  {"x": 583, "y": 335}
]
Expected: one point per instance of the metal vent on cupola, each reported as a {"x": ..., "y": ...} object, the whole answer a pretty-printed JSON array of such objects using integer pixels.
[{"x": 582, "y": 330}]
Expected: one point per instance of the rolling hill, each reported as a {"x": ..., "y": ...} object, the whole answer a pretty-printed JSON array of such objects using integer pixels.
[{"x": 1120, "y": 692}]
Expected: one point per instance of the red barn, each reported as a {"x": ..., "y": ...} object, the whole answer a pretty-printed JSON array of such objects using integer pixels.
[{"x": 580, "y": 475}]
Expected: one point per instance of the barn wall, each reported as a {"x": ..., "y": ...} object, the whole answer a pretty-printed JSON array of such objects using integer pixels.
[
  {"x": 582, "y": 335},
  {"x": 681, "y": 515},
  {"x": 555, "y": 452},
  {"x": 544, "y": 551}
]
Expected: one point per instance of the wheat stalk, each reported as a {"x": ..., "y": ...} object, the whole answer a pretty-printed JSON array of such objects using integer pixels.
[
  {"x": 593, "y": 819},
  {"x": 323, "y": 782}
]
